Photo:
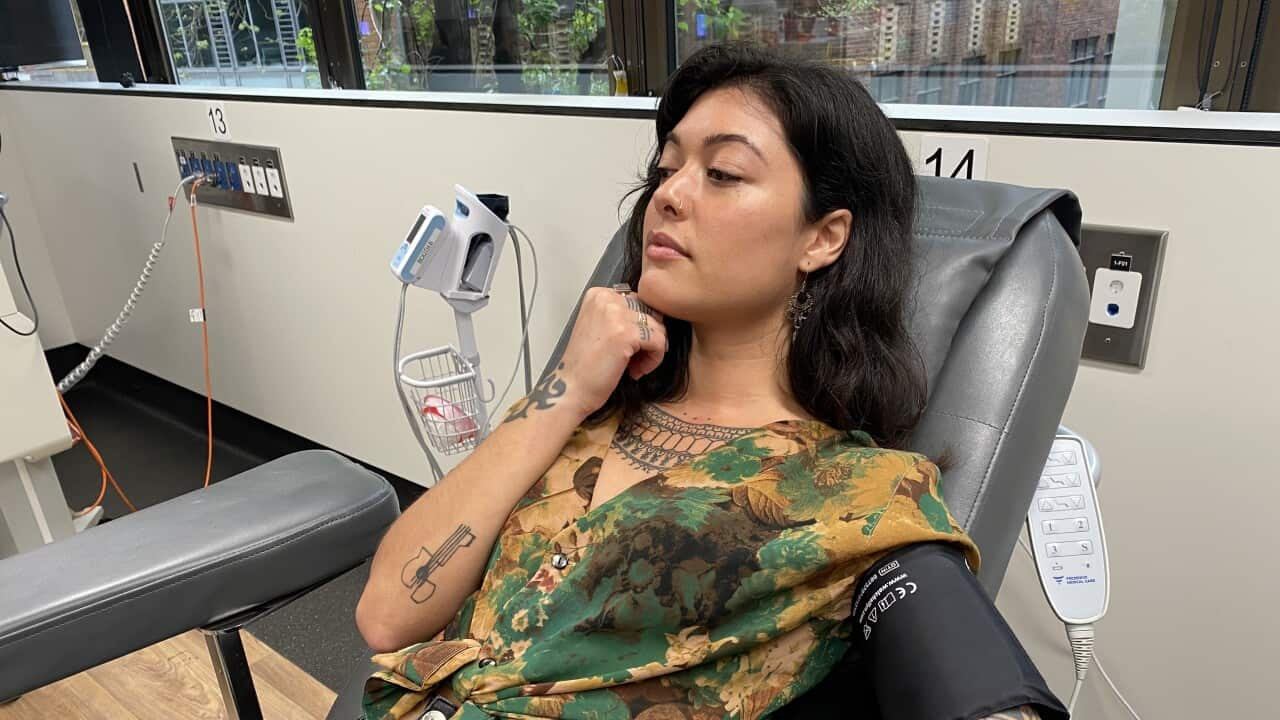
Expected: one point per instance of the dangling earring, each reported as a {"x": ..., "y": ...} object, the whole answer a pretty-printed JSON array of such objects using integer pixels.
[{"x": 799, "y": 304}]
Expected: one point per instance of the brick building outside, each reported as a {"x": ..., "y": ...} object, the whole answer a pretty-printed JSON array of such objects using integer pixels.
[
  {"x": 1047, "y": 53},
  {"x": 1050, "y": 53}
]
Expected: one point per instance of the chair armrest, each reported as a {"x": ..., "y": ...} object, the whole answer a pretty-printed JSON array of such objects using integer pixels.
[{"x": 186, "y": 563}]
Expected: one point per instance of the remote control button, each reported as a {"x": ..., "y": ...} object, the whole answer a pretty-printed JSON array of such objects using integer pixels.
[
  {"x": 1061, "y": 502},
  {"x": 1081, "y": 547},
  {"x": 1061, "y": 458},
  {"x": 1065, "y": 525}
]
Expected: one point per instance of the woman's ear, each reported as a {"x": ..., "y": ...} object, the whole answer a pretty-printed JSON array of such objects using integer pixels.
[{"x": 830, "y": 236}]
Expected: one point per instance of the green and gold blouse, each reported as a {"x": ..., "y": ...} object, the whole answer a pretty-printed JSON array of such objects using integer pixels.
[{"x": 719, "y": 588}]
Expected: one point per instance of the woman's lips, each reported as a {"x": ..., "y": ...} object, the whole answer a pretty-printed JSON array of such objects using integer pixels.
[
  {"x": 662, "y": 246},
  {"x": 662, "y": 252}
]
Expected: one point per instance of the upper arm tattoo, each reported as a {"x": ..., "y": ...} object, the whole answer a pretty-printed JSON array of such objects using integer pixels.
[
  {"x": 1026, "y": 712},
  {"x": 543, "y": 396},
  {"x": 416, "y": 574}
]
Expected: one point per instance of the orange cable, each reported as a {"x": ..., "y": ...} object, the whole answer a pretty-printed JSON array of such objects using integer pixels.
[
  {"x": 204, "y": 331},
  {"x": 79, "y": 436},
  {"x": 106, "y": 474}
]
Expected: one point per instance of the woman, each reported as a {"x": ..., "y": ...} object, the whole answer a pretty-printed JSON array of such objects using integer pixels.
[{"x": 698, "y": 513}]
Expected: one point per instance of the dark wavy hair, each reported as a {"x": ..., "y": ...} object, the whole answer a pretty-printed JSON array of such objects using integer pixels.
[{"x": 852, "y": 364}]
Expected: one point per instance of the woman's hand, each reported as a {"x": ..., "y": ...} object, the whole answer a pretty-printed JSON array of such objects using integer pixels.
[{"x": 607, "y": 340}]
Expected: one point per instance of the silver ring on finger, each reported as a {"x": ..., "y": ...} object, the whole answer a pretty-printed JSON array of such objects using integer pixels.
[
  {"x": 643, "y": 321},
  {"x": 621, "y": 288}
]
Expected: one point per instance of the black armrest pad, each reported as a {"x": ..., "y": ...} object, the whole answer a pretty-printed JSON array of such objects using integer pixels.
[{"x": 185, "y": 563}]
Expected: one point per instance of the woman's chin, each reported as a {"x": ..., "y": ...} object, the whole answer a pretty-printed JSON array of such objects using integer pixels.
[{"x": 661, "y": 292}]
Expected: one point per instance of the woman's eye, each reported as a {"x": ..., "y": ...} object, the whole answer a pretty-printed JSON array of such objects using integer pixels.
[
  {"x": 721, "y": 176},
  {"x": 664, "y": 173}
]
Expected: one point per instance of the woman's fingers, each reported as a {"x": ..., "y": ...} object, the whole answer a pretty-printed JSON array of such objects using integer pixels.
[{"x": 652, "y": 348}]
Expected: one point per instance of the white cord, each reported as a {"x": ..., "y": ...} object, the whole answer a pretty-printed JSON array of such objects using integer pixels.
[
  {"x": 1075, "y": 695},
  {"x": 1098, "y": 661},
  {"x": 1081, "y": 639},
  {"x": 524, "y": 334},
  {"x": 113, "y": 330},
  {"x": 1083, "y": 647}
]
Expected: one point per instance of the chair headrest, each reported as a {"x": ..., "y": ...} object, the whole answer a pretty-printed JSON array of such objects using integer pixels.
[{"x": 963, "y": 229}]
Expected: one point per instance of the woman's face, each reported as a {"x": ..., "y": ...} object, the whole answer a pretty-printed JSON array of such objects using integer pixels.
[{"x": 729, "y": 196}]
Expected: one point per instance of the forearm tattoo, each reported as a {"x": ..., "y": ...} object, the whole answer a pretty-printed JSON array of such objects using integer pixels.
[
  {"x": 1026, "y": 712},
  {"x": 657, "y": 440},
  {"x": 544, "y": 395},
  {"x": 416, "y": 574}
]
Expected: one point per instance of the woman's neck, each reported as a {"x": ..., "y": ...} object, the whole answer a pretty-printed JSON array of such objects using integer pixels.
[{"x": 736, "y": 377}]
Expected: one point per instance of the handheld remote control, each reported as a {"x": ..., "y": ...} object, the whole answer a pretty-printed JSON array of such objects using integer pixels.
[{"x": 1065, "y": 525}]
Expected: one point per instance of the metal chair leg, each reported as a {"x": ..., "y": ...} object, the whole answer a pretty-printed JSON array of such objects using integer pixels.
[{"x": 234, "y": 679}]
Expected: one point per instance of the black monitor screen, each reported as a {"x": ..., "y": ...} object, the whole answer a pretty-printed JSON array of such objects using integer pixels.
[{"x": 37, "y": 31}]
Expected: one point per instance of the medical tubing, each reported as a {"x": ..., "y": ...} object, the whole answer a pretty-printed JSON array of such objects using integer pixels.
[
  {"x": 524, "y": 314},
  {"x": 524, "y": 336},
  {"x": 436, "y": 472},
  {"x": 113, "y": 330}
]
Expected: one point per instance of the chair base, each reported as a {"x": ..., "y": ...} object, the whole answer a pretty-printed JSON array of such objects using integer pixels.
[{"x": 239, "y": 696}]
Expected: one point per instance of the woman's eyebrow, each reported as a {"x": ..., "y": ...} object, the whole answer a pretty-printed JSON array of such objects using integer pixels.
[{"x": 719, "y": 138}]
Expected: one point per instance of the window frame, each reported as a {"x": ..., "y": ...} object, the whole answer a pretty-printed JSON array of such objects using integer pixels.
[
  {"x": 651, "y": 55},
  {"x": 1104, "y": 79},
  {"x": 1080, "y": 71},
  {"x": 928, "y": 93},
  {"x": 1006, "y": 77},
  {"x": 971, "y": 79},
  {"x": 899, "y": 84}
]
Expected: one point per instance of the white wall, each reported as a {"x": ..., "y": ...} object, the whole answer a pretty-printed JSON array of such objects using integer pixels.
[
  {"x": 301, "y": 316},
  {"x": 46, "y": 291}
]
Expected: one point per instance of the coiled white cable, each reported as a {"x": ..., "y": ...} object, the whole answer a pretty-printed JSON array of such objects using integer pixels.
[{"x": 114, "y": 328}]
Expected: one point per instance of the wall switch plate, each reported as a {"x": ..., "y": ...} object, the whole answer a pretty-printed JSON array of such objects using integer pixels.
[
  {"x": 1123, "y": 267},
  {"x": 237, "y": 175}
]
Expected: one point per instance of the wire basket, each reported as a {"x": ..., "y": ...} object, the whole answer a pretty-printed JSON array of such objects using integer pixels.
[{"x": 442, "y": 385}]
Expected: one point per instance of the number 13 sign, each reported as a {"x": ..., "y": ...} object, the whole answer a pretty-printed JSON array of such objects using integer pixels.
[
  {"x": 216, "y": 120},
  {"x": 953, "y": 156}
]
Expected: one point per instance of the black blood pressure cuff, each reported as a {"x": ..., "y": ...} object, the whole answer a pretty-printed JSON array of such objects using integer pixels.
[{"x": 934, "y": 644}]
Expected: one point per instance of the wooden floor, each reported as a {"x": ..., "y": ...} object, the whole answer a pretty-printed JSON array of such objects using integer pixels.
[{"x": 174, "y": 679}]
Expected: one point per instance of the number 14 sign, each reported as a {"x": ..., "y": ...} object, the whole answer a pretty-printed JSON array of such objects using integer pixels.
[{"x": 953, "y": 156}]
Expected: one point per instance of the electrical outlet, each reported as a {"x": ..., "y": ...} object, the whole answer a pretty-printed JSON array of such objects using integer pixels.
[
  {"x": 273, "y": 181},
  {"x": 246, "y": 178},
  {"x": 237, "y": 176},
  {"x": 1123, "y": 265},
  {"x": 1115, "y": 297}
]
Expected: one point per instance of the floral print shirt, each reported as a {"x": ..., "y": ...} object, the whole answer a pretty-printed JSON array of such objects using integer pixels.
[{"x": 719, "y": 588}]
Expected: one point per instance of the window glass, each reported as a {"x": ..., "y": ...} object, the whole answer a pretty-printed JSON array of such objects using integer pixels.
[
  {"x": 243, "y": 43},
  {"x": 555, "y": 47},
  {"x": 1046, "y": 53}
]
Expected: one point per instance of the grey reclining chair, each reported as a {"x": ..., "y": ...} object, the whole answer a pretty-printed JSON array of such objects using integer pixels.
[
  {"x": 1000, "y": 318},
  {"x": 216, "y": 558}
]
